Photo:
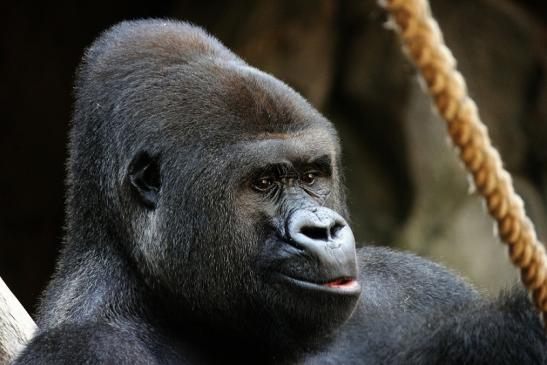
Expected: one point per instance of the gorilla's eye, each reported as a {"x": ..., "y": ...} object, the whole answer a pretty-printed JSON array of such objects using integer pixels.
[
  {"x": 308, "y": 178},
  {"x": 263, "y": 184}
]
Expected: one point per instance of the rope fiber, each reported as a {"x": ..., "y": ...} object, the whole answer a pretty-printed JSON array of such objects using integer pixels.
[{"x": 424, "y": 45}]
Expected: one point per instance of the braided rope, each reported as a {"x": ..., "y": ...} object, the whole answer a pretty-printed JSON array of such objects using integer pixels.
[{"x": 425, "y": 46}]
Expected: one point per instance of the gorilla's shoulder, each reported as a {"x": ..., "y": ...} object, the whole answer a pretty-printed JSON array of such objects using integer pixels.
[
  {"x": 401, "y": 294},
  {"x": 90, "y": 343},
  {"x": 408, "y": 275}
]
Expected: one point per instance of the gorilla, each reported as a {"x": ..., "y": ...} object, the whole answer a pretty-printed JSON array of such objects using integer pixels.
[{"x": 207, "y": 224}]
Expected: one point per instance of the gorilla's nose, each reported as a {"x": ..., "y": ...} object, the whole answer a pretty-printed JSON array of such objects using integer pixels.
[{"x": 324, "y": 234}]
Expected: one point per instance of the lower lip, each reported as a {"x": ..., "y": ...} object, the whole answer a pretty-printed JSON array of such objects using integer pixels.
[
  {"x": 343, "y": 284},
  {"x": 343, "y": 287}
]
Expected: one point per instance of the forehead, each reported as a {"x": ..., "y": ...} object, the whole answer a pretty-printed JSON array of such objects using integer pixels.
[
  {"x": 241, "y": 106},
  {"x": 266, "y": 107},
  {"x": 301, "y": 146}
]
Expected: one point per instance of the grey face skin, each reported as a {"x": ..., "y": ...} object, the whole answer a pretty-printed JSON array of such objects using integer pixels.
[{"x": 207, "y": 224}]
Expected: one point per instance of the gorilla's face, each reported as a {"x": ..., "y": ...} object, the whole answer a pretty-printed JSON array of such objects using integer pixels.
[
  {"x": 253, "y": 235},
  {"x": 303, "y": 249},
  {"x": 242, "y": 211}
]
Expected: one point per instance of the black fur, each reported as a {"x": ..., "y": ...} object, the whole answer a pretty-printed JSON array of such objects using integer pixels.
[{"x": 172, "y": 245}]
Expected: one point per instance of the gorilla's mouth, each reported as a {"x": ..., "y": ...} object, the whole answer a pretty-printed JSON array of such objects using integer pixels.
[{"x": 341, "y": 285}]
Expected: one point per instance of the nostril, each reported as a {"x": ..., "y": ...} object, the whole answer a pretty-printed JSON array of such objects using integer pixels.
[
  {"x": 316, "y": 233},
  {"x": 335, "y": 229}
]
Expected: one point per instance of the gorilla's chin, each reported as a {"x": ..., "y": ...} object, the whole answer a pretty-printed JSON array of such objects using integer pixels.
[{"x": 311, "y": 311}]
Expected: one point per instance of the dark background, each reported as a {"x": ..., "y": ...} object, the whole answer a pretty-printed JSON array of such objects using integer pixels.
[{"x": 405, "y": 187}]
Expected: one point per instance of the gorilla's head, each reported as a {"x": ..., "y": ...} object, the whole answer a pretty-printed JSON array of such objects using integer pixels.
[{"x": 220, "y": 182}]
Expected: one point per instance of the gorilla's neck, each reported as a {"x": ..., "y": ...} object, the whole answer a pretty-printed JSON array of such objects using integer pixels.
[
  {"x": 91, "y": 279},
  {"x": 226, "y": 346},
  {"x": 97, "y": 281},
  {"x": 250, "y": 338}
]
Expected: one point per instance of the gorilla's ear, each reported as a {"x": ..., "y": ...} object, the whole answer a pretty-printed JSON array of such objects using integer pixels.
[{"x": 144, "y": 178}]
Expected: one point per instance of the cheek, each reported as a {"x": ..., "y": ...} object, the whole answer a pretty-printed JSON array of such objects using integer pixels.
[
  {"x": 252, "y": 211},
  {"x": 223, "y": 237},
  {"x": 335, "y": 197}
]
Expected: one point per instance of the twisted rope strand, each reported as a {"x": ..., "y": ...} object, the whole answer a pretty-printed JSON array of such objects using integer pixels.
[{"x": 424, "y": 45}]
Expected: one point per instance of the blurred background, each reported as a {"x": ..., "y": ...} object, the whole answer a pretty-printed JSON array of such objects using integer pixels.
[{"x": 405, "y": 186}]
